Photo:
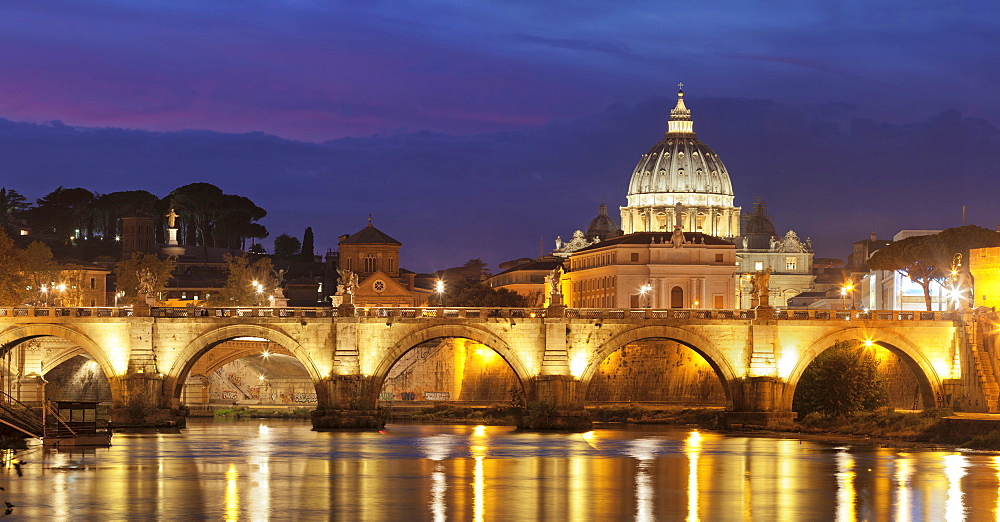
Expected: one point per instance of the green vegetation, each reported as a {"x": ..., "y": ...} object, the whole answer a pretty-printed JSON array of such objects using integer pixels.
[
  {"x": 841, "y": 381},
  {"x": 885, "y": 423},
  {"x": 243, "y": 412},
  {"x": 706, "y": 417},
  {"x": 240, "y": 290}
]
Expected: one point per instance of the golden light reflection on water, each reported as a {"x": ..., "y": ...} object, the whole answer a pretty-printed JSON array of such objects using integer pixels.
[
  {"x": 692, "y": 448},
  {"x": 954, "y": 469},
  {"x": 643, "y": 450},
  {"x": 903, "y": 476},
  {"x": 493, "y": 473},
  {"x": 478, "y": 451},
  {"x": 846, "y": 495},
  {"x": 232, "y": 500}
]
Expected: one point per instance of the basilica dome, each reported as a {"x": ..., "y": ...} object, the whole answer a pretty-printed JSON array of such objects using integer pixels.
[{"x": 681, "y": 181}]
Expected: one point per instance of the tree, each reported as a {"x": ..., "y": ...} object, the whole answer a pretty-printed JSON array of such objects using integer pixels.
[
  {"x": 913, "y": 257},
  {"x": 108, "y": 209},
  {"x": 240, "y": 288},
  {"x": 925, "y": 259},
  {"x": 469, "y": 293},
  {"x": 842, "y": 380},
  {"x": 41, "y": 270},
  {"x": 307, "y": 253},
  {"x": 64, "y": 213},
  {"x": 13, "y": 283},
  {"x": 286, "y": 246},
  {"x": 12, "y": 205},
  {"x": 142, "y": 273}
]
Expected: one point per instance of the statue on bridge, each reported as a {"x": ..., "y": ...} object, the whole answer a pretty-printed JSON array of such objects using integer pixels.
[
  {"x": 348, "y": 282},
  {"x": 677, "y": 238},
  {"x": 761, "y": 293}
]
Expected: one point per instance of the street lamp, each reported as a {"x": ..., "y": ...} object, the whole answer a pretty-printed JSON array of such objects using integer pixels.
[
  {"x": 848, "y": 288},
  {"x": 439, "y": 290},
  {"x": 644, "y": 291},
  {"x": 45, "y": 294},
  {"x": 260, "y": 291}
]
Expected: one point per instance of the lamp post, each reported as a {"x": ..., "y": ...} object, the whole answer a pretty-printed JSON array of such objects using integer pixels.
[
  {"x": 439, "y": 290},
  {"x": 644, "y": 291},
  {"x": 848, "y": 288},
  {"x": 259, "y": 288}
]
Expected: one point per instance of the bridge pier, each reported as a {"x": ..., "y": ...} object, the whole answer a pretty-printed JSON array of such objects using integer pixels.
[
  {"x": 139, "y": 401},
  {"x": 553, "y": 403},
  {"x": 347, "y": 402},
  {"x": 759, "y": 402}
]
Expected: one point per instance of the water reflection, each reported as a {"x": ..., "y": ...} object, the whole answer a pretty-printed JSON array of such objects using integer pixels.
[
  {"x": 845, "y": 486},
  {"x": 902, "y": 476},
  {"x": 692, "y": 448},
  {"x": 249, "y": 471},
  {"x": 643, "y": 450},
  {"x": 954, "y": 469}
]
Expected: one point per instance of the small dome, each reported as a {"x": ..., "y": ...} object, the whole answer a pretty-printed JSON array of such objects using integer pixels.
[
  {"x": 603, "y": 226},
  {"x": 758, "y": 228}
]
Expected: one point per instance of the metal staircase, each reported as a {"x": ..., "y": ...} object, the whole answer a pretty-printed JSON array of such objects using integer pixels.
[{"x": 20, "y": 416}]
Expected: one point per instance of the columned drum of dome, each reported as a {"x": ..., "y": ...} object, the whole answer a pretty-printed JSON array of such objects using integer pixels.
[{"x": 681, "y": 182}]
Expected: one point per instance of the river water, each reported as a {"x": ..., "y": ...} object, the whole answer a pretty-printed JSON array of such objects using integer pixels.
[{"x": 259, "y": 470}]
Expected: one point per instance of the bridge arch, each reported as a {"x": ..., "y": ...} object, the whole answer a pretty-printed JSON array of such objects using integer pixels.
[
  {"x": 111, "y": 367},
  {"x": 704, "y": 347},
  {"x": 909, "y": 353},
  {"x": 178, "y": 372},
  {"x": 479, "y": 335}
]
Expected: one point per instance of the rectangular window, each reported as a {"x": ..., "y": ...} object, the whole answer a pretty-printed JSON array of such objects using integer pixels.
[
  {"x": 719, "y": 303},
  {"x": 790, "y": 263},
  {"x": 718, "y": 258},
  {"x": 635, "y": 257},
  {"x": 758, "y": 265}
]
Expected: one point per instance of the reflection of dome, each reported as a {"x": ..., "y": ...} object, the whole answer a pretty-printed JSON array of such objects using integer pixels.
[
  {"x": 681, "y": 180},
  {"x": 603, "y": 226}
]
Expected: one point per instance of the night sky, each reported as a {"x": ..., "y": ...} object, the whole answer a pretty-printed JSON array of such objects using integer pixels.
[{"x": 474, "y": 129}]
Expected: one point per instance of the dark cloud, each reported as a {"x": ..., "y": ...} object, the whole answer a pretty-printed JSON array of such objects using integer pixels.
[{"x": 822, "y": 170}]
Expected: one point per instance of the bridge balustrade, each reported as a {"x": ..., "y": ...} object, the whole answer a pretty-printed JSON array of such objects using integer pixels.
[{"x": 479, "y": 313}]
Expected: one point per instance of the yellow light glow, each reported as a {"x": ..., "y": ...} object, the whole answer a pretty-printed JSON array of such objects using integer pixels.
[
  {"x": 578, "y": 365},
  {"x": 869, "y": 343},
  {"x": 789, "y": 358},
  {"x": 232, "y": 499},
  {"x": 486, "y": 354},
  {"x": 692, "y": 448}
]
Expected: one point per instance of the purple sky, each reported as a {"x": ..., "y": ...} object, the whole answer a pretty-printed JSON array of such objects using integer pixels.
[{"x": 474, "y": 130}]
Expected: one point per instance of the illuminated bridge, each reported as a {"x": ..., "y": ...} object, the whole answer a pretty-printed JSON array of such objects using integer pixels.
[{"x": 758, "y": 356}]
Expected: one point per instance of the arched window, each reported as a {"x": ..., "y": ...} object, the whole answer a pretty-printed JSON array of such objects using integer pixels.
[
  {"x": 677, "y": 297},
  {"x": 371, "y": 264}
]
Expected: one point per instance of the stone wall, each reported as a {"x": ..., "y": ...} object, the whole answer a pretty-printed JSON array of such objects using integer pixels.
[
  {"x": 656, "y": 371},
  {"x": 78, "y": 379},
  {"x": 449, "y": 369}
]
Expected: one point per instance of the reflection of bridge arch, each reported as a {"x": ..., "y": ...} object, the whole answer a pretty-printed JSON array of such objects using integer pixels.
[
  {"x": 174, "y": 382},
  {"x": 910, "y": 354},
  {"x": 478, "y": 335},
  {"x": 16, "y": 335},
  {"x": 715, "y": 358}
]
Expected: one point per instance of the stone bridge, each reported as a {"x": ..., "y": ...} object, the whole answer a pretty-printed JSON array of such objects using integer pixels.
[{"x": 758, "y": 356}]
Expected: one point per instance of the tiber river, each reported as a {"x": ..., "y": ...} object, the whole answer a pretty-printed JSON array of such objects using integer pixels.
[{"x": 259, "y": 470}]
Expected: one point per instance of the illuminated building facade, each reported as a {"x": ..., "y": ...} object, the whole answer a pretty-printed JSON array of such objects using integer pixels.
[
  {"x": 682, "y": 182},
  {"x": 646, "y": 269},
  {"x": 374, "y": 256}
]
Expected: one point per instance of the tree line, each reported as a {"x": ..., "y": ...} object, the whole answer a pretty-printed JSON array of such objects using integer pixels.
[{"x": 74, "y": 216}]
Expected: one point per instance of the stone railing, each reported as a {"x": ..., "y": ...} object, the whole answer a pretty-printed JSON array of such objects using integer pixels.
[
  {"x": 821, "y": 315},
  {"x": 64, "y": 311},
  {"x": 481, "y": 313}
]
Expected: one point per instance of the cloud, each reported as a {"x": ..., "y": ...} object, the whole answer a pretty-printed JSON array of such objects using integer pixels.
[{"x": 822, "y": 170}]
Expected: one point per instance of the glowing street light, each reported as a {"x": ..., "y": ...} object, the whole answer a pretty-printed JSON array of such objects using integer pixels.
[
  {"x": 439, "y": 290},
  {"x": 645, "y": 291},
  {"x": 847, "y": 289}
]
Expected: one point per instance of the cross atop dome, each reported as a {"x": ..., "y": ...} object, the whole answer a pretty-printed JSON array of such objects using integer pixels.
[{"x": 680, "y": 117}]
